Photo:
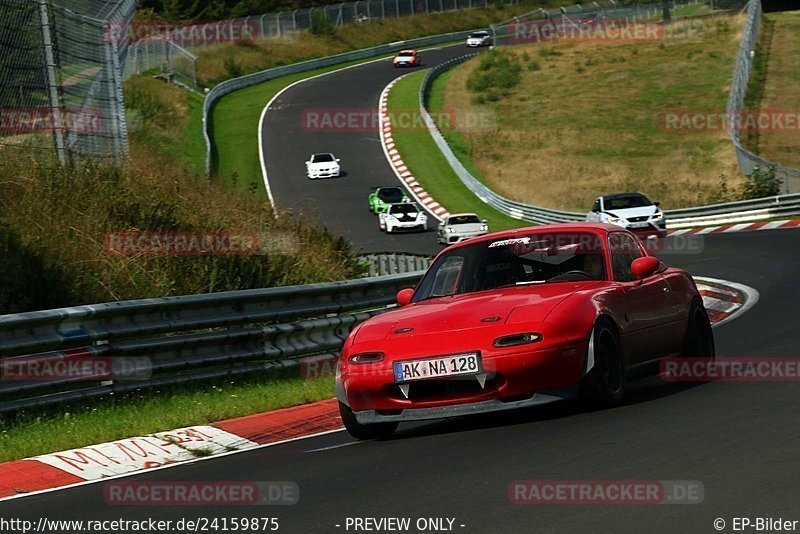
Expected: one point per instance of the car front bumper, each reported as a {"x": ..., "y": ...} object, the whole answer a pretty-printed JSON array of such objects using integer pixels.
[
  {"x": 509, "y": 378},
  {"x": 495, "y": 405},
  {"x": 409, "y": 227},
  {"x": 457, "y": 238}
]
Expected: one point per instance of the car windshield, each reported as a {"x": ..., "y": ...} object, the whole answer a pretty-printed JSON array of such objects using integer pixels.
[
  {"x": 398, "y": 209},
  {"x": 518, "y": 261},
  {"x": 464, "y": 219},
  {"x": 405, "y": 53},
  {"x": 390, "y": 194},
  {"x": 625, "y": 202},
  {"x": 322, "y": 158},
  {"x": 478, "y": 35}
]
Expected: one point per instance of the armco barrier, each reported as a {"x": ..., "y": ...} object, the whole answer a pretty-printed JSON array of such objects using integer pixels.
[{"x": 186, "y": 338}]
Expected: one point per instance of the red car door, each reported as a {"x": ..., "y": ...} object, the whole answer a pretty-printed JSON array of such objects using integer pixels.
[{"x": 651, "y": 316}]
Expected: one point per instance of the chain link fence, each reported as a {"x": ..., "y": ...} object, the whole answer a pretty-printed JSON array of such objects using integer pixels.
[{"x": 61, "y": 77}]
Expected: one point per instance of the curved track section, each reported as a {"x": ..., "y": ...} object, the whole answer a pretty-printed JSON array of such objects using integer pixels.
[
  {"x": 738, "y": 439},
  {"x": 340, "y": 204}
]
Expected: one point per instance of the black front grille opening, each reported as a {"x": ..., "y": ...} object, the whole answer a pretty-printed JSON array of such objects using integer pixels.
[
  {"x": 638, "y": 219},
  {"x": 446, "y": 388}
]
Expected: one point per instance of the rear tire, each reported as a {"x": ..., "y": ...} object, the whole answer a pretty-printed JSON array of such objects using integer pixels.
[
  {"x": 359, "y": 431},
  {"x": 605, "y": 382},
  {"x": 699, "y": 341}
]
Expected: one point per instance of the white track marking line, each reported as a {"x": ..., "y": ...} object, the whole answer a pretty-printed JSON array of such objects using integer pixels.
[{"x": 339, "y": 446}]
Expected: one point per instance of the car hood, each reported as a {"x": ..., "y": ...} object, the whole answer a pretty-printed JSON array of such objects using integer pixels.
[
  {"x": 467, "y": 228},
  {"x": 324, "y": 165},
  {"x": 634, "y": 212},
  {"x": 471, "y": 311}
]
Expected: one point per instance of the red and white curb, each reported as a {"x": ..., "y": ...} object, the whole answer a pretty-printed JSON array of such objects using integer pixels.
[
  {"x": 161, "y": 450},
  {"x": 107, "y": 461},
  {"x": 724, "y": 300},
  {"x": 396, "y": 161},
  {"x": 741, "y": 227}
]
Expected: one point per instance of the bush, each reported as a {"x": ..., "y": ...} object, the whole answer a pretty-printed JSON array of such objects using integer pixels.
[
  {"x": 497, "y": 73},
  {"x": 321, "y": 24},
  {"x": 232, "y": 68},
  {"x": 761, "y": 183}
]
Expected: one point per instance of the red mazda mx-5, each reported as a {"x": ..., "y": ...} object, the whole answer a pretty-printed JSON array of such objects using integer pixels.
[{"x": 516, "y": 319}]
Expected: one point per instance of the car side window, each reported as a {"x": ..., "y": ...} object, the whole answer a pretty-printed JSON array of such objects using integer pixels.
[
  {"x": 447, "y": 276},
  {"x": 624, "y": 249}
]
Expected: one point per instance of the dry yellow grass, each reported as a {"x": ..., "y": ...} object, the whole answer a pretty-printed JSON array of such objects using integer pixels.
[
  {"x": 589, "y": 121},
  {"x": 782, "y": 90}
]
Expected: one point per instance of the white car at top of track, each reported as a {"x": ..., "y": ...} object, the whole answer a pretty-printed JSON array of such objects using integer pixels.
[
  {"x": 403, "y": 217},
  {"x": 324, "y": 165}
]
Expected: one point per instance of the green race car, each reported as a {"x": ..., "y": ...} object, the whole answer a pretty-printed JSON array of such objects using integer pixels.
[{"x": 380, "y": 198}]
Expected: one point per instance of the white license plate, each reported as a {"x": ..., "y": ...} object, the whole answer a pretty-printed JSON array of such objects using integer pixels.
[
  {"x": 454, "y": 365},
  {"x": 639, "y": 225}
]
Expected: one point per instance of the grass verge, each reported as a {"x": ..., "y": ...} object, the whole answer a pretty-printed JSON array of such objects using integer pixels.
[
  {"x": 588, "y": 118},
  {"x": 74, "y": 425},
  {"x": 775, "y": 87},
  {"x": 429, "y": 166}
]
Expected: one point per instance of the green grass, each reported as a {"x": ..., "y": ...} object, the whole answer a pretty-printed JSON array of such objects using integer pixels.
[
  {"x": 69, "y": 426},
  {"x": 429, "y": 166}
]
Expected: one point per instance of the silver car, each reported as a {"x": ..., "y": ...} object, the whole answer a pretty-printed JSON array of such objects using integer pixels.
[{"x": 460, "y": 227}]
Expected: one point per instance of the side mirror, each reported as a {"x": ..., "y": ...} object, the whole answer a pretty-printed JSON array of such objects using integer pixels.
[
  {"x": 657, "y": 204},
  {"x": 338, "y": 160},
  {"x": 404, "y": 296},
  {"x": 308, "y": 162},
  {"x": 644, "y": 266},
  {"x": 483, "y": 221}
]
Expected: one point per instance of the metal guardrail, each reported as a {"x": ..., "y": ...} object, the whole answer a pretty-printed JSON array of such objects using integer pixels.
[
  {"x": 234, "y": 84},
  {"x": 186, "y": 338},
  {"x": 743, "y": 67},
  {"x": 725, "y": 213}
]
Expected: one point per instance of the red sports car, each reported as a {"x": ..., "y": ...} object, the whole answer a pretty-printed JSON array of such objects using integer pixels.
[{"x": 520, "y": 318}]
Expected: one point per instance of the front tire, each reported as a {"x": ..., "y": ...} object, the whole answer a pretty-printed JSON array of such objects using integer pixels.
[
  {"x": 359, "y": 431},
  {"x": 605, "y": 382}
]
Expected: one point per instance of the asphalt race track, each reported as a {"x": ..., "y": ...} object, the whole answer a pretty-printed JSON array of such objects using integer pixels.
[
  {"x": 741, "y": 440},
  {"x": 340, "y": 204}
]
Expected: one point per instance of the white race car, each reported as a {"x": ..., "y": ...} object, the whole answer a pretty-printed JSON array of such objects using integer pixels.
[
  {"x": 324, "y": 165},
  {"x": 460, "y": 227},
  {"x": 633, "y": 211},
  {"x": 480, "y": 38},
  {"x": 405, "y": 217}
]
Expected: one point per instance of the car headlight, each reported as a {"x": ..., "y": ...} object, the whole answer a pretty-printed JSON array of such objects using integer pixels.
[
  {"x": 658, "y": 215},
  {"x": 367, "y": 357},
  {"x": 484, "y": 228},
  {"x": 615, "y": 220},
  {"x": 451, "y": 230},
  {"x": 517, "y": 339}
]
